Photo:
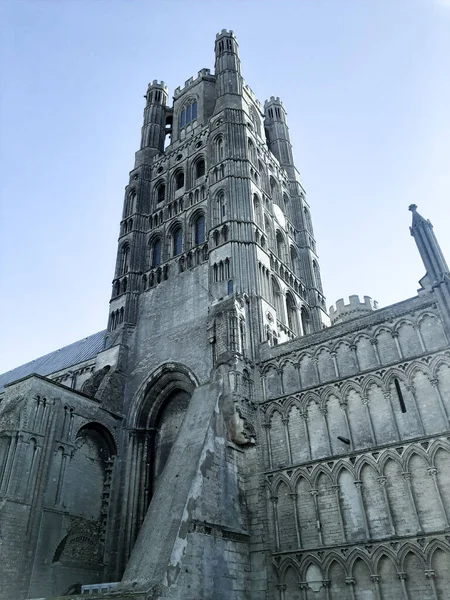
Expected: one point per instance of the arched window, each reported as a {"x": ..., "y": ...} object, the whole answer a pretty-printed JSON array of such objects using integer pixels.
[
  {"x": 200, "y": 168},
  {"x": 160, "y": 193},
  {"x": 252, "y": 151},
  {"x": 219, "y": 149},
  {"x": 257, "y": 210},
  {"x": 293, "y": 253},
  {"x": 280, "y": 246},
  {"x": 156, "y": 253},
  {"x": 220, "y": 209},
  {"x": 199, "y": 230},
  {"x": 124, "y": 260},
  {"x": 225, "y": 233},
  {"x": 307, "y": 219},
  {"x": 179, "y": 180},
  {"x": 242, "y": 335},
  {"x": 177, "y": 241},
  {"x": 292, "y": 314},
  {"x": 306, "y": 321},
  {"x": 317, "y": 279},
  {"x": 188, "y": 114},
  {"x": 273, "y": 189},
  {"x": 277, "y": 299},
  {"x": 129, "y": 203}
]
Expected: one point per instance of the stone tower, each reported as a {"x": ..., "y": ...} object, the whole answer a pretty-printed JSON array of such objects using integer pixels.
[{"x": 222, "y": 439}]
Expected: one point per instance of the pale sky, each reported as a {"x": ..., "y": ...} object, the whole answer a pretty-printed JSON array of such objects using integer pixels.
[{"x": 366, "y": 84}]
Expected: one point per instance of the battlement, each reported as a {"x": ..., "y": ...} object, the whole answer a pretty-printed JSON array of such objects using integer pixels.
[
  {"x": 159, "y": 85},
  {"x": 202, "y": 74},
  {"x": 355, "y": 308},
  {"x": 273, "y": 100},
  {"x": 225, "y": 32},
  {"x": 251, "y": 93}
]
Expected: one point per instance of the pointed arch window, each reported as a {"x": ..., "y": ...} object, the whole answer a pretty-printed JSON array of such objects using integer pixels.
[
  {"x": 124, "y": 260},
  {"x": 292, "y": 314},
  {"x": 188, "y": 114},
  {"x": 257, "y": 211},
  {"x": 160, "y": 193},
  {"x": 200, "y": 168},
  {"x": 306, "y": 321},
  {"x": 280, "y": 246},
  {"x": 129, "y": 203},
  {"x": 317, "y": 278},
  {"x": 277, "y": 299},
  {"x": 156, "y": 253},
  {"x": 219, "y": 149},
  {"x": 179, "y": 180},
  {"x": 199, "y": 230},
  {"x": 177, "y": 241}
]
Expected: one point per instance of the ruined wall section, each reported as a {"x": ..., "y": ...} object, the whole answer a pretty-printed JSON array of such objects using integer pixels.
[
  {"x": 57, "y": 469},
  {"x": 355, "y": 427}
]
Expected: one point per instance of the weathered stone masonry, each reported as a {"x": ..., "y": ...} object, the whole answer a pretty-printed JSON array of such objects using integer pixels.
[{"x": 224, "y": 438}]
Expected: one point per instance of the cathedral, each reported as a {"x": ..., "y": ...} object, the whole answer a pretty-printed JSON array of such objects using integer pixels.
[{"x": 227, "y": 437}]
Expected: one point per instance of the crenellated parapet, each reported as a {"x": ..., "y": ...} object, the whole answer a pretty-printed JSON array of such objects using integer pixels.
[{"x": 355, "y": 308}]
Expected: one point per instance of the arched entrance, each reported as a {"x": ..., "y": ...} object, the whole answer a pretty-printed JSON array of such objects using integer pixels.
[{"x": 155, "y": 421}]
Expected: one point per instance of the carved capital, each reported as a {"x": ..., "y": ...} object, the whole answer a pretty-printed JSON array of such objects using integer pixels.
[
  {"x": 358, "y": 484},
  {"x": 353, "y": 347},
  {"x": 326, "y": 583},
  {"x": 281, "y": 586},
  {"x": 343, "y": 405},
  {"x": 411, "y": 388},
  {"x": 285, "y": 420},
  {"x": 304, "y": 415},
  {"x": 375, "y": 578},
  {"x": 323, "y": 410},
  {"x": 274, "y": 499},
  {"x": 382, "y": 480},
  {"x": 406, "y": 475},
  {"x": 434, "y": 382},
  {"x": 432, "y": 471},
  {"x": 374, "y": 342},
  {"x": 430, "y": 573},
  {"x": 267, "y": 425},
  {"x": 350, "y": 580},
  {"x": 394, "y": 334},
  {"x": 293, "y": 495},
  {"x": 365, "y": 401},
  {"x": 402, "y": 575},
  {"x": 314, "y": 493}
]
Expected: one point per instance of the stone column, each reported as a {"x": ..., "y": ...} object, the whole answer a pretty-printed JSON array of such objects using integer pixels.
[
  {"x": 344, "y": 406},
  {"x": 397, "y": 344},
  {"x": 341, "y": 519},
  {"x": 305, "y": 420},
  {"x": 350, "y": 581},
  {"x": 376, "y": 581},
  {"x": 274, "y": 500},
  {"x": 402, "y": 576},
  {"x": 430, "y": 574},
  {"x": 336, "y": 366},
  {"x": 382, "y": 481},
  {"x": 434, "y": 383},
  {"x": 354, "y": 349},
  {"x": 314, "y": 494},
  {"x": 297, "y": 525},
  {"x": 365, "y": 402},
  {"x": 285, "y": 421},
  {"x": 374, "y": 343},
  {"x": 432, "y": 471},
  {"x": 411, "y": 389},
  {"x": 282, "y": 588},
  {"x": 269, "y": 446},
  {"x": 359, "y": 485},
  {"x": 324, "y": 411},
  {"x": 407, "y": 478},
  {"x": 387, "y": 395},
  {"x": 304, "y": 588}
]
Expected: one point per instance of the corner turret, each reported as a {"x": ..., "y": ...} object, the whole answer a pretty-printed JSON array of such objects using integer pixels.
[
  {"x": 354, "y": 309},
  {"x": 277, "y": 131},
  {"x": 227, "y": 65},
  {"x": 155, "y": 113}
]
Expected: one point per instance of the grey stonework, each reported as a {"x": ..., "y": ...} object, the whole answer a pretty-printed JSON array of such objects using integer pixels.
[{"x": 221, "y": 441}]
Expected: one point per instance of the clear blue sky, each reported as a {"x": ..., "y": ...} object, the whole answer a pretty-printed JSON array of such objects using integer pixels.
[{"x": 366, "y": 84}]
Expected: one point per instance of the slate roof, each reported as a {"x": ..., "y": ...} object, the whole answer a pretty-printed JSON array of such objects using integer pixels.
[{"x": 77, "y": 352}]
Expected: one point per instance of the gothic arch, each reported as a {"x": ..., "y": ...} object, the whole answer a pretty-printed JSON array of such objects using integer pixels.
[
  {"x": 153, "y": 392},
  {"x": 329, "y": 560},
  {"x": 431, "y": 549},
  {"x": 383, "y": 551},
  {"x": 405, "y": 550}
]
